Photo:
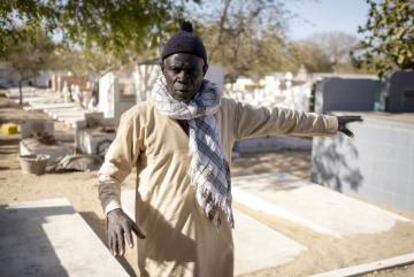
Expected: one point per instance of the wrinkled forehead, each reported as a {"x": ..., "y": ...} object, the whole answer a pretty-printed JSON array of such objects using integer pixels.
[{"x": 183, "y": 60}]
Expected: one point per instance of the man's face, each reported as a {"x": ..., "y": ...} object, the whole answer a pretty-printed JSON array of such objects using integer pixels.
[{"x": 184, "y": 74}]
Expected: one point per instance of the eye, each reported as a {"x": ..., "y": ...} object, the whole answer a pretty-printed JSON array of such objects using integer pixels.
[{"x": 176, "y": 70}]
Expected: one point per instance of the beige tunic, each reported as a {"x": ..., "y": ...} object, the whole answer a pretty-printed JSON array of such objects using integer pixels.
[{"x": 180, "y": 240}]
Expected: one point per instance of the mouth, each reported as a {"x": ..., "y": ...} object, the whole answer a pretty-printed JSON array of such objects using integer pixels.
[
  {"x": 181, "y": 94},
  {"x": 183, "y": 88}
]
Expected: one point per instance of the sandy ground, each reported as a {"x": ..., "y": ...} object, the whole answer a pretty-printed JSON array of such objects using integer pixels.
[{"x": 324, "y": 252}]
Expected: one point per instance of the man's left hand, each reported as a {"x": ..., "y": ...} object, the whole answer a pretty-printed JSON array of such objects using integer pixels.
[{"x": 343, "y": 120}]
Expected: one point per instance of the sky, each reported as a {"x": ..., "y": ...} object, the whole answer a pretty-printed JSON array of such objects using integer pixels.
[{"x": 326, "y": 16}]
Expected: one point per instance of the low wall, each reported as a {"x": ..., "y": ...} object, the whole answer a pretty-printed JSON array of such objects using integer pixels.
[
  {"x": 377, "y": 165},
  {"x": 271, "y": 144}
]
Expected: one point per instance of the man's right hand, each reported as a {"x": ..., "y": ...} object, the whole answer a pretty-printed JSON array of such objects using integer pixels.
[{"x": 118, "y": 225}]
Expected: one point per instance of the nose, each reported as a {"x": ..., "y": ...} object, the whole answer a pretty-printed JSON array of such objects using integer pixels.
[{"x": 183, "y": 76}]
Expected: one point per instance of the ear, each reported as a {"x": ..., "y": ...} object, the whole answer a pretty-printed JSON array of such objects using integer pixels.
[{"x": 205, "y": 68}]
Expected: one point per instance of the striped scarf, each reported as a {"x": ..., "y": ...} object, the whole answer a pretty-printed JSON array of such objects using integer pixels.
[{"x": 209, "y": 169}]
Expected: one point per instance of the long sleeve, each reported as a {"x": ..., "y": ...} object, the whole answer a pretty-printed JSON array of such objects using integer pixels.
[
  {"x": 253, "y": 122},
  {"x": 119, "y": 161}
]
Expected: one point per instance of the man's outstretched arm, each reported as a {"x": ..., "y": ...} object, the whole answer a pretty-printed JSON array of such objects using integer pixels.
[
  {"x": 119, "y": 160},
  {"x": 252, "y": 121}
]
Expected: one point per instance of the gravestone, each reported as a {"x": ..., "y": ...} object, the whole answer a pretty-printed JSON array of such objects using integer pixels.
[
  {"x": 338, "y": 94},
  {"x": 215, "y": 74},
  {"x": 145, "y": 76},
  {"x": 111, "y": 101},
  {"x": 399, "y": 92},
  {"x": 107, "y": 95}
]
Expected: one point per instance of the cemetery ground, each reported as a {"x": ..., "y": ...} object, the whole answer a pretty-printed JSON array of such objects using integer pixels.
[{"x": 323, "y": 252}]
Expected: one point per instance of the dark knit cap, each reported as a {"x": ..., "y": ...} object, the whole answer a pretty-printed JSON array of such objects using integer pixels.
[{"x": 185, "y": 41}]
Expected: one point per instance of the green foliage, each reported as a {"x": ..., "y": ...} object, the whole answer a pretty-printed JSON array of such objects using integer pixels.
[
  {"x": 388, "y": 37},
  {"x": 120, "y": 27}
]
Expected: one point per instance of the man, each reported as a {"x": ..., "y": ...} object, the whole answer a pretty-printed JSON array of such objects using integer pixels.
[{"x": 180, "y": 142}]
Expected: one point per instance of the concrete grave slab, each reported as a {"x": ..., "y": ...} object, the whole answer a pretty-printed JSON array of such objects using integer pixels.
[
  {"x": 55, "y": 112},
  {"x": 26, "y": 91},
  {"x": 52, "y": 110},
  {"x": 65, "y": 109},
  {"x": 275, "y": 248},
  {"x": 68, "y": 113},
  {"x": 56, "y": 116},
  {"x": 52, "y": 105},
  {"x": 91, "y": 142},
  {"x": 311, "y": 205},
  {"x": 42, "y": 107},
  {"x": 32, "y": 99},
  {"x": 48, "y": 238},
  {"x": 31, "y": 146},
  {"x": 70, "y": 118},
  {"x": 43, "y": 100}
]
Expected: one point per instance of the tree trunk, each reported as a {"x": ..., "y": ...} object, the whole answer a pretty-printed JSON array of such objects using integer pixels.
[{"x": 20, "y": 93}]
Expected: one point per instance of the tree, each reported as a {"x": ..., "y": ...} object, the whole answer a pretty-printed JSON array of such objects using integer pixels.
[
  {"x": 28, "y": 57},
  {"x": 87, "y": 61},
  {"x": 388, "y": 41},
  {"x": 119, "y": 27},
  {"x": 336, "y": 45},
  {"x": 311, "y": 55},
  {"x": 328, "y": 51},
  {"x": 246, "y": 37}
]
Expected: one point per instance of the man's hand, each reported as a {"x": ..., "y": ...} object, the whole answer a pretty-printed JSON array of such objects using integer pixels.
[
  {"x": 118, "y": 225},
  {"x": 343, "y": 120}
]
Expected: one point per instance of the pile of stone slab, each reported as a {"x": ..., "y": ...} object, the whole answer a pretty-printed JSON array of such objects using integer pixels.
[
  {"x": 44, "y": 100},
  {"x": 26, "y": 91}
]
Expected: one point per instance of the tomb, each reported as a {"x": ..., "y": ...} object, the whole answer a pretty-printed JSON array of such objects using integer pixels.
[
  {"x": 275, "y": 248},
  {"x": 48, "y": 238},
  {"x": 308, "y": 204},
  {"x": 346, "y": 94},
  {"x": 398, "y": 92}
]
